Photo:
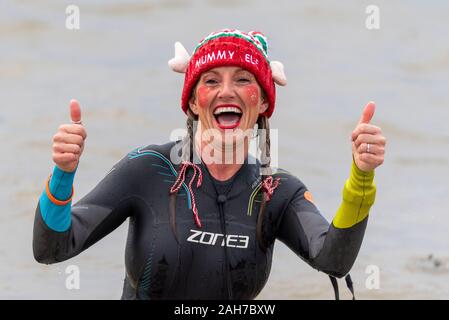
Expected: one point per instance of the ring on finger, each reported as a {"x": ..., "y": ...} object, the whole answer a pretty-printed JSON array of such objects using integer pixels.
[{"x": 368, "y": 148}]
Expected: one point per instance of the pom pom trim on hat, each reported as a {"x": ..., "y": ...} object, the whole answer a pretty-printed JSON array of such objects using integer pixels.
[{"x": 237, "y": 34}]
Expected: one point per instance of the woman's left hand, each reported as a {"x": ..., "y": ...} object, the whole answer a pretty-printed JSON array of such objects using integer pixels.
[{"x": 368, "y": 143}]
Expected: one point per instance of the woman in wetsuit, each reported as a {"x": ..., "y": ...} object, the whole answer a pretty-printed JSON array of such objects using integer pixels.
[{"x": 203, "y": 212}]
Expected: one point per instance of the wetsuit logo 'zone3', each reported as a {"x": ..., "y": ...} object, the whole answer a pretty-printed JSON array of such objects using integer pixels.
[{"x": 231, "y": 240}]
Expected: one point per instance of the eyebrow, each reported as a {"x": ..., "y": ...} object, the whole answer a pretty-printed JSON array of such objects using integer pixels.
[
  {"x": 217, "y": 73},
  {"x": 246, "y": 71},
  {"x": 211, "y": 71}
]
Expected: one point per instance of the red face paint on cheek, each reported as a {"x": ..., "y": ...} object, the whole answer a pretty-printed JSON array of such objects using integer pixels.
[
  {"x": 203, "y": 96},
  {"x": 252, "y": 94}
]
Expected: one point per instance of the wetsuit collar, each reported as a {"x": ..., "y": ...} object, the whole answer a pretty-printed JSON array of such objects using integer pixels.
[{"x": 247, "y": 177}]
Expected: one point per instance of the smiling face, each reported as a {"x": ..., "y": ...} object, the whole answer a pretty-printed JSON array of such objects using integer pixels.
[{"x": 228, "y": 98}]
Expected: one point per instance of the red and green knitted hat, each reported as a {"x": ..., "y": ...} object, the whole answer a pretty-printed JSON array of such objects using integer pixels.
[{"x": 229, "y": 47}]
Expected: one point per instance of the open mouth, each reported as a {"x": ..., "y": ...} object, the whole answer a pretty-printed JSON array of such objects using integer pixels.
[{"x": 228, "y": 116}]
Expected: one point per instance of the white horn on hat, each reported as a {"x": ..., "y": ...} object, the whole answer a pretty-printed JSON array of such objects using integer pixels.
[
  {"x": 181, "y": 60},
  {"x": 277, "y": 70}
]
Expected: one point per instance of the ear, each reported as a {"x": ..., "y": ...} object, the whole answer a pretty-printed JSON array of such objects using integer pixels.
[
  {"x": 192, "y": 105},
  {"x": 263, "y": 106}
]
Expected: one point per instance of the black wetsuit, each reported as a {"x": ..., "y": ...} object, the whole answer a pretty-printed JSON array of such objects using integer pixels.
[{"x": 196, "y": 263}]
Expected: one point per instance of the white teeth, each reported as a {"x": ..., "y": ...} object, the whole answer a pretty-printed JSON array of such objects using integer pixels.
[{"x": 227, "y": 109}]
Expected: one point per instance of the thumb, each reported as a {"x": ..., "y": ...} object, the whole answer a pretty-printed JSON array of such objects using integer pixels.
[
  {"x": 368, "y": 112},
  {"x": 75, "y": 111}
]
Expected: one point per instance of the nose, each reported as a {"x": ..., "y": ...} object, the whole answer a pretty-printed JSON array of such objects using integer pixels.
[{"x": 227, "y": 90}]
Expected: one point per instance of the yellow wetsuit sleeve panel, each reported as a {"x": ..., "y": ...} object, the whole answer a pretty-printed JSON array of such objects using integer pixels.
[{"x": 359, "y": 194}]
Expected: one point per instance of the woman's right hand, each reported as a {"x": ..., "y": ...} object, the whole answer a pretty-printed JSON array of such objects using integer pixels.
[{"x": 68, "y": 142}]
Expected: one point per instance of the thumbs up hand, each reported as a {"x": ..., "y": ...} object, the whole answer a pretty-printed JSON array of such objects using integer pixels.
[
  {"x": 368, "y": 143},
  {"x": 68, "y": 142}
]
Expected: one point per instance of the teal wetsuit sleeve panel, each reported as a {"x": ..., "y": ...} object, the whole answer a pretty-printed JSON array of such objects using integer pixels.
[
  {"x": 61, "y": 232},
  {"x": 325, "y": 247},
  {"x": 57, "y": 217}
]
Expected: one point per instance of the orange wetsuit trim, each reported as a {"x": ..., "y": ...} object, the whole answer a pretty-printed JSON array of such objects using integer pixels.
[{"x": 52, "y": 198}]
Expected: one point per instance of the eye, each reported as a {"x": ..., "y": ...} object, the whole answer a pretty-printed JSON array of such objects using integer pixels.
[
  {"x": 244, "y": 80},
  {"x": 211, "y": 81}
]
